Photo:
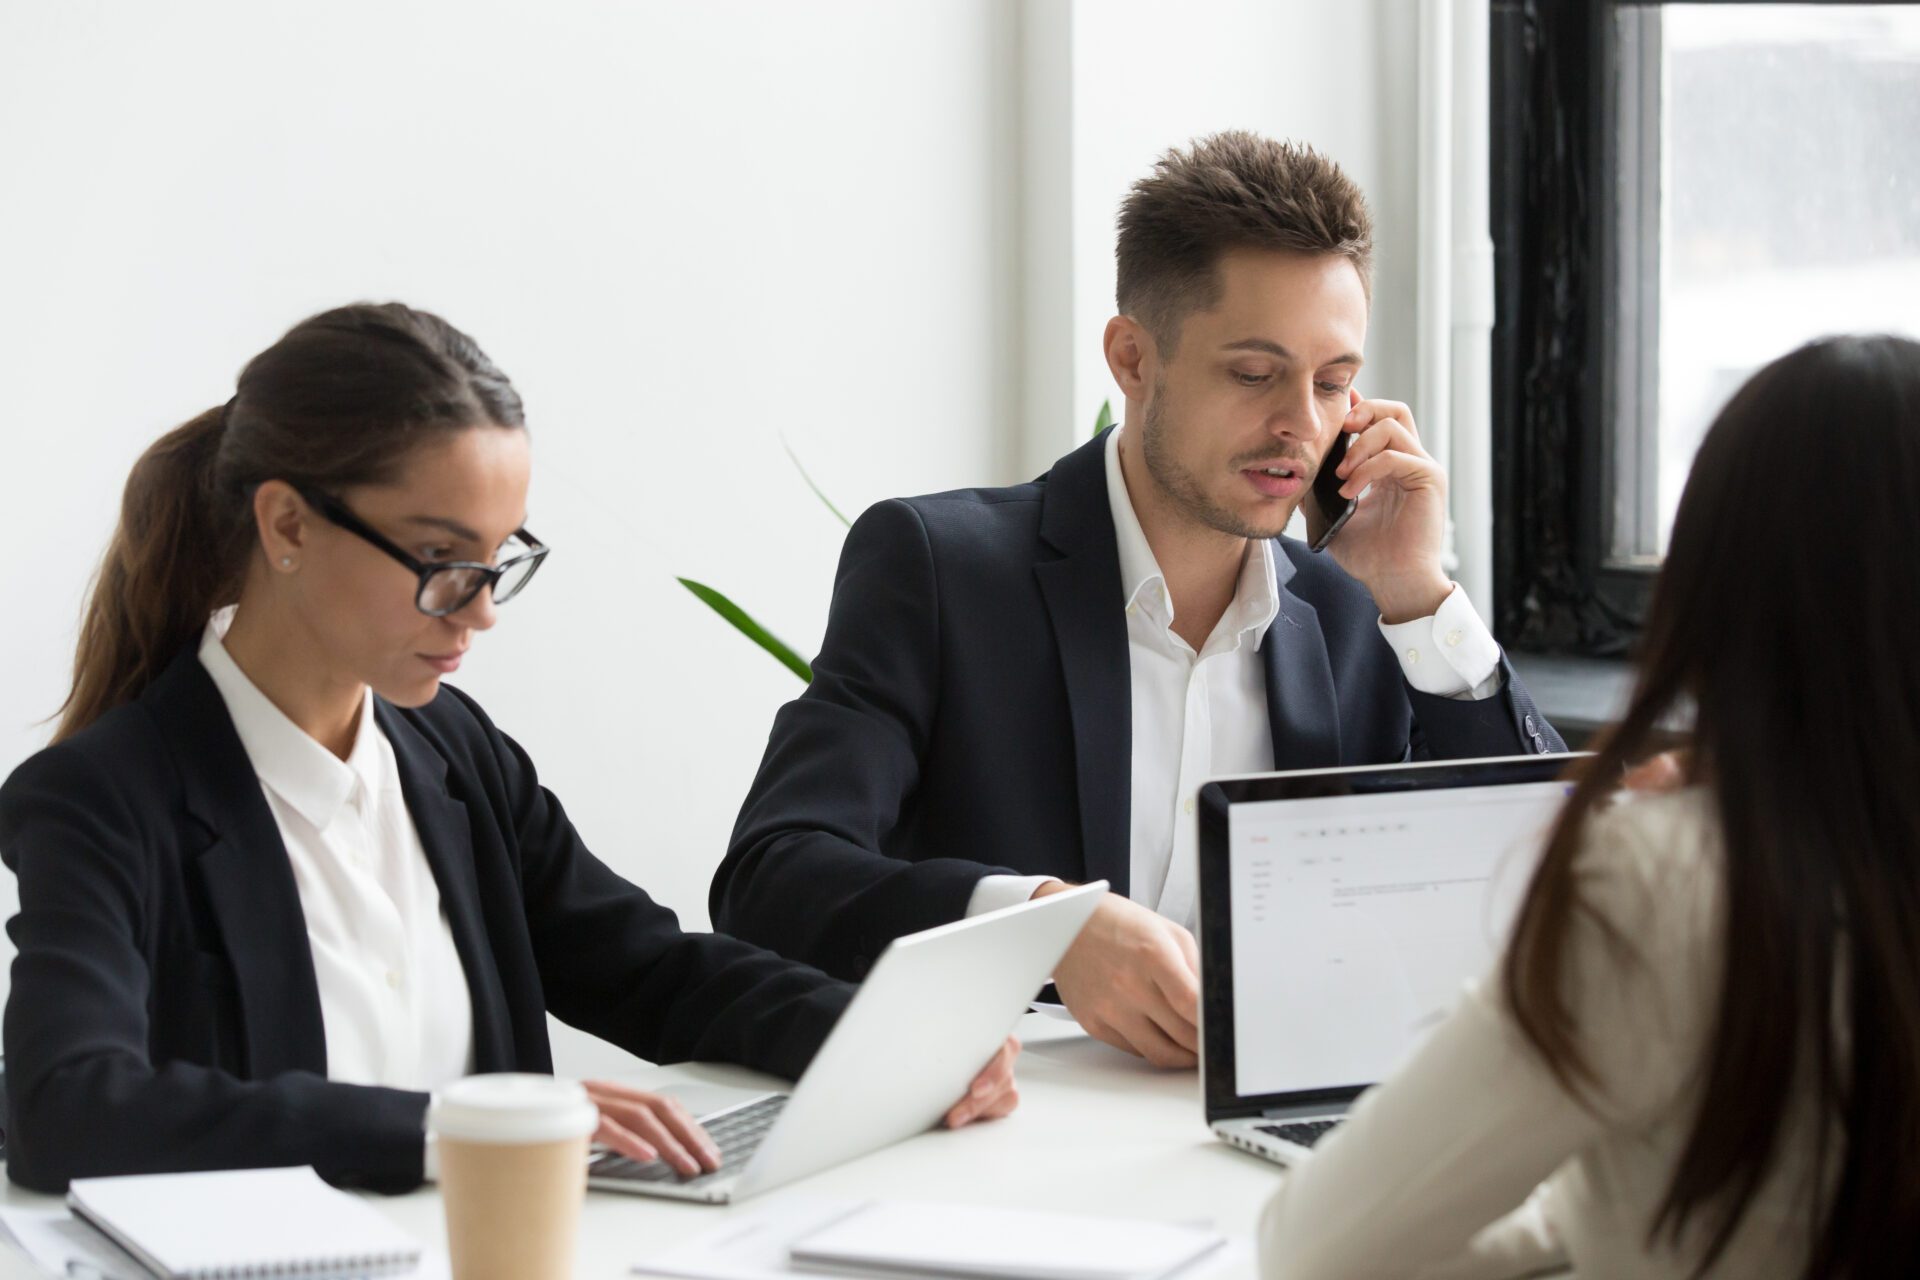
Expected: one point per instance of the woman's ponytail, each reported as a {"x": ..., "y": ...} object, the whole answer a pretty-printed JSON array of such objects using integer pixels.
[{"x": 170, "y": 564}]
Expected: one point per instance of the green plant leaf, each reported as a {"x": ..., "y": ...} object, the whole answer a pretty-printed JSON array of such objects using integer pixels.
[
  {"x": 750, "y": 629},
  {"x": 795, "y": 459},
  {"x": 1105, "y": 420}
]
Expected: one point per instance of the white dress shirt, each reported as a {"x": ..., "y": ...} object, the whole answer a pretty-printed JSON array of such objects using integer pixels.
[
  {"x": 1198, "y": 716},
  {"x": 1473, "y": 1161},
  {"x": 393, "y": 993}
]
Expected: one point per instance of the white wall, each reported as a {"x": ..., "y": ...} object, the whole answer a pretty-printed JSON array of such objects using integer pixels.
[
  {"x": 1145, "y": 76},
  {"x": 680, "y": 228}
]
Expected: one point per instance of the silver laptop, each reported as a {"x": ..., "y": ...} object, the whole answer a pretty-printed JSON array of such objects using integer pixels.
[
  {"x": 932, "y": 1011},
  {"x": 1341, "y": 910}
]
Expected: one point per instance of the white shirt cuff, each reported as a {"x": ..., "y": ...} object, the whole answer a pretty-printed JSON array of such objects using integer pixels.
[
  {"x": 1449, "y": 655},
  {"x": 430, "y": 1166},
  {"x": 995, "y": 892}
]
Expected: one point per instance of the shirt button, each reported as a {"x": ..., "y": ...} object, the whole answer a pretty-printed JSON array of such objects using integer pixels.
[
  {"x": 1188, "y": 806},
  {"x": 1413, "y": 655},
  {"x": 1453, "y": 638},
  {"x": 393, "y": 979}
]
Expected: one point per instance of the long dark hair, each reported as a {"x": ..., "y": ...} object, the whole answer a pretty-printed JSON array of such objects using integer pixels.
[
  {"x": 1783, "y": 619},
  {"x": 341, "y": 400}
]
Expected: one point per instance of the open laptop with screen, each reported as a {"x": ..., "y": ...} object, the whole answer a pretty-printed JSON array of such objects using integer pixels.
[
  {"x": 932, "y": 1010},
  {"x": 1341, "y": 910}
]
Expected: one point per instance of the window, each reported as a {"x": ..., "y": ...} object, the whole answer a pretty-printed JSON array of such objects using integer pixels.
[{"x": 1682, "y": 192}]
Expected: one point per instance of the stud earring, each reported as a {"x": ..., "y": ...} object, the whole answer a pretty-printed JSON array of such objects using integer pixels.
[{"x": 286, "y": 562}]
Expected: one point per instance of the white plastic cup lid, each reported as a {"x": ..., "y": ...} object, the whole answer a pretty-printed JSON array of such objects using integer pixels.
[{"x": 512, "y": 1108}]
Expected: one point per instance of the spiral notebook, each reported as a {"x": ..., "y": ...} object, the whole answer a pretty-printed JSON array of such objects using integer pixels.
[{"x": 237, "y": 1223}]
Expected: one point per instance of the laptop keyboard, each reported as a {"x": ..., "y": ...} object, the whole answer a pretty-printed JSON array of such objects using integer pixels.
[
  {"x": 738, "y": 1134},
  {"x": 1303, "y": 1134}
]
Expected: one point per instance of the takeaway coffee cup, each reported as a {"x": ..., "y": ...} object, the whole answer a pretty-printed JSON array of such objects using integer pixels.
[{"x": 513, "y": 1171}]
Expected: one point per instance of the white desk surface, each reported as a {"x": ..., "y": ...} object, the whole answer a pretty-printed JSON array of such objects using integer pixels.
[{"x": 1097, "y": 1131}]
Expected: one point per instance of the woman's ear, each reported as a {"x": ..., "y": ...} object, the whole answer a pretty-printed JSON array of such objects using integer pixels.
[{"x": 284, "y": 520}]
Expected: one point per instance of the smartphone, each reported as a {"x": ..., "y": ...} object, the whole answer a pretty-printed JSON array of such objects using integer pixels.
[{"x": 1334, "y": 509}]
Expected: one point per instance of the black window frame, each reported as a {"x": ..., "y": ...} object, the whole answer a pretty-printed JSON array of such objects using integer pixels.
[{"x": 1558, "y": 380}]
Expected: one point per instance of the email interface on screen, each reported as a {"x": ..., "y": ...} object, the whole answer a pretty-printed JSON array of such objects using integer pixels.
[{"x": 1356, "y": 920}]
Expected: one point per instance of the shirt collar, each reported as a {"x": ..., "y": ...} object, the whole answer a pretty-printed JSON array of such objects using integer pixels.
[
  {"x": 1256, "y": 598},
  {"x": 288, "y": 761}
]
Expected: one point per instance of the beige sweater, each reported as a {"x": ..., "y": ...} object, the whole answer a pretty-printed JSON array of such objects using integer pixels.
[{"x": 1473, "y": 1161}]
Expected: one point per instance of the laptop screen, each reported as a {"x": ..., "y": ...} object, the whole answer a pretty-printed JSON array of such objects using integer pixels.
[{"x": 1354, "y": 918}]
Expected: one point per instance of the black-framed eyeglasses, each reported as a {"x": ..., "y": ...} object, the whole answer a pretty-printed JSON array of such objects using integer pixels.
[{"x": 446, "y": 586}]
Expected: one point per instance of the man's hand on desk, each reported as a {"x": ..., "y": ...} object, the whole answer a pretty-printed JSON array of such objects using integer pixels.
[
  {"x": 992, "y": 1094},
  {"x": 1132, "y": 979}
]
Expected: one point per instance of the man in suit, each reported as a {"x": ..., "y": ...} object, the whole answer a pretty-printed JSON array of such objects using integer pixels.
[{"x": 1025, "y": 687}]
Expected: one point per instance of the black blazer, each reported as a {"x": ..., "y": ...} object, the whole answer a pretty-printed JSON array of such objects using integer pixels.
[
  {"x": 164, "y": 1013},
  {"x": 971, "y": 712}
]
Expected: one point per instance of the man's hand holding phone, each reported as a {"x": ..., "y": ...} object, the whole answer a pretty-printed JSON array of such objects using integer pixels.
[{"x": 1393, "y": 538}]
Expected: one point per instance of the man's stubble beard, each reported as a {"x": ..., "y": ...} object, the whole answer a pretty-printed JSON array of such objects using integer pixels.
[{"x": 1179, "y": 484}]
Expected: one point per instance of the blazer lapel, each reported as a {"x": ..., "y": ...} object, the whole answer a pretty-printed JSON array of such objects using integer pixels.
[
  {"x": 248, "y": 878},
  {"x": 446, "y": 834},
  {"x": 1081, "y": 587},
  {"x": 1302, "y": 711}
]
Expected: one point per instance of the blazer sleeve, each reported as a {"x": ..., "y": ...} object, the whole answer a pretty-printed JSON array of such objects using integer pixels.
[
  {"x": 807, "y": 872},
  {"x": 615, "y": 963},
  {"x": 85, "y": 1097},
  {"x": 1506, "y": 724}
]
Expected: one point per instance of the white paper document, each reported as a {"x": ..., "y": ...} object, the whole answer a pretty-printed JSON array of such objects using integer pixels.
[
  {"x": 749, "y": 1247},
  {"x": 905, "y": 1238},
  {"x": 62, "y": 1245},
  {"x": 897, "y": 1237}
]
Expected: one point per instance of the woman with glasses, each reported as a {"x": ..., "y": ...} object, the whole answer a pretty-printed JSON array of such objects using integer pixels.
[
  {"x": 276, "y": 883},
  {"x": 1701, "y": 1054}
]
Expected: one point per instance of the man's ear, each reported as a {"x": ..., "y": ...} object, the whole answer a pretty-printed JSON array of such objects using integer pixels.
[
  {"x": 1132, "y": 357},
  {"x": 283, "y": 519}
]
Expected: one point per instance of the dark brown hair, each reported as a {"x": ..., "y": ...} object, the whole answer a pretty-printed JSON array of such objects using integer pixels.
[
  {"x": 1783, "y": 626},
  {"x": 1234, "y": 190},
  {"x": 341, "y": 400}
]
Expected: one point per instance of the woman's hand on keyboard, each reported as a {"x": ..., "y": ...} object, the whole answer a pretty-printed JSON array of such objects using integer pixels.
[
  {"x": 651, "y": 1126},
  {"x": 992, "y": 1094}
]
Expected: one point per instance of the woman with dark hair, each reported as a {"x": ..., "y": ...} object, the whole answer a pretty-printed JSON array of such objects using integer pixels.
[
  {"x": 1701, "y": 1056},
  {"x": 276, "y": 884}
]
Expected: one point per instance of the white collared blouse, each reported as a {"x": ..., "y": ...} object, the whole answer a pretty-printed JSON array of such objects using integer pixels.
[{"x": 393, "y": 993}]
